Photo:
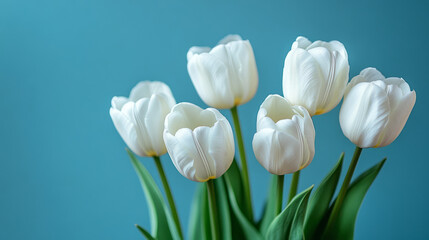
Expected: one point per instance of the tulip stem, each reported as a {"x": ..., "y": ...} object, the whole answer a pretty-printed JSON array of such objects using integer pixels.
[
  {"x": 280, "y": 181},
  {"x": 168, "y": 194},
  {"x": 245, "y": 172},
  {"x": 293, "y": 186},
  {"x": 214, "y": 222},
  {"x": 344, "y": 188}
]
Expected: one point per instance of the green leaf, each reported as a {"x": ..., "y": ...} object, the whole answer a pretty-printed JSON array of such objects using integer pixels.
[
  {"x": 343, "y": 227},
  {"x": 234, "y": 175},
  {"x": 145, "y": 233},
  {"x": 195, "y": 229},
  {"x": 318, "y": 204},
  {"x": 249, "y": 230},
  {"x": 205, "y": 223},
  {"x": 289, "y": 223},
  {"x": 270, "y": 205},
  {"x": 163, "y": 226},
  {"x": 223, "y": 208}
]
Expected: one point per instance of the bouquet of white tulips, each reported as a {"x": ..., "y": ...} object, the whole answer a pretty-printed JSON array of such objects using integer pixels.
[{"x": 201, "y": 142}]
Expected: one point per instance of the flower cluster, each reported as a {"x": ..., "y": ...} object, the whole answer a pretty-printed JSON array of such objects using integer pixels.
[{"x": 201, "y": 145}]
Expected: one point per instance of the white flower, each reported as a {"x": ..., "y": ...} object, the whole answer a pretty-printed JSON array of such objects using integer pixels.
[
  {"x": 225, "y": 76},
  {"x": 199, "y": 142},
  {"x": 139, "y": 119},
  {"x": 315, "y": 74},
  {"x": 284, "y": 141},
  {"x": 375, "y": 109}
]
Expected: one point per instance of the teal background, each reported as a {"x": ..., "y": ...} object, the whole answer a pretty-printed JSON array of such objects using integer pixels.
[{"x": 64, "y": 173}]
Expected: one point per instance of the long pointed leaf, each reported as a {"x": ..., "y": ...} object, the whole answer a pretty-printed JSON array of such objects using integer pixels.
[
  {"x": 234, "y": 175},
  {"x": 195, "y": 230},
  {"x": 163, "y": 226},
  {"x": 145, "y": 233},
  {"x": 223, "y": 208},
  {"x": 289, "y": 223},
  {"x": 318, "y": 204},
  {"x": 343, "y": 227},
  {"x": 249, "y": 229}
]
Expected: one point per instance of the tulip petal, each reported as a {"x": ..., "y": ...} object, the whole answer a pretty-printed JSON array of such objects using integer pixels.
[
  {"x": 230, "y": 38},
  {"x": 188, "y": 115},
  {"x": 306, "y": 137},
  {"x": 210, "y": 76},
  {"x": 243, "y": 70},
  {"x": 302, "y": 77},
  {"x": 364, "y": 113},
  {"x": 204, "y": 163},
  {"x": 400, "y": 111},
  {"x": 367, "y": 75},
  {"x": 136, "y": 112},
  {"x": 126, "y": 129},
  {"x": 145, "y": 89},
  {"x": 200, "y": 142},
  {"x": 151, "y": 118},
  {"x": 372, "y": 74},
  {"x": 301, "y": 42},
  {"x": 277, "y": 151},
  {"x": 193, "y": 51},
  {"x": 335, "y": 70},
  {"x": 338, "y": 47},
  {"x": 119, "y": 102},
  {"x": 181, "y": 153},
  {"x": 221, "y": 147}
]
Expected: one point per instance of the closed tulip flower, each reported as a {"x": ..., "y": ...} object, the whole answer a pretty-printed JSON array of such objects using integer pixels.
[
  {"x": 225, "y": 76},
  {"x": 284, "y": 141},
  {"x": 315, "y": 74},
  {"x": 199, "y": 142},
  {"x": 375, "y": 109},
  {"x": 139, "y": 119}
]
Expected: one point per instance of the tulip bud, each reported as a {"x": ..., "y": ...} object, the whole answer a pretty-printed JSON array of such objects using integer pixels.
[
  {"x": 200, "y": 142},
  {"x": 315, "y": 74},
  {"x": 225, "y": 76},
  {"x": 375, "y": 109},
  {"x": 284, "y": 141},
  {"x": 139, "y": 119}
]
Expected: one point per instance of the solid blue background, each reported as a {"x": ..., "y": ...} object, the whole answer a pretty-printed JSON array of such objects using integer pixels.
[{"x": 64, "y": 173}]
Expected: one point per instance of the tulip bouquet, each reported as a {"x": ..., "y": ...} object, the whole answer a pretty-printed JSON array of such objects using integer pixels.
[{"x": 201, "y": 142}]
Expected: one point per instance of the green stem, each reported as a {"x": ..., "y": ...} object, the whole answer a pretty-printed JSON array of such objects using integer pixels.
[
  {"x": 168, "y": 194},
  {"x": 293, "y": 186},
  {"x": 280, "y": 181},
  {"x": 245, "y": 172},
  {"x": 344, "y": 187},
  {"x": 214, "y": 222}
]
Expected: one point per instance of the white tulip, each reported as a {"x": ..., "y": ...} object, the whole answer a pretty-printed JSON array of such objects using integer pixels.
[
  {"x": 315, "y": 74},
  {"x": 375, "y": 109},
  {"x": 199, "y": 142},
  {"x": 139, "y": 119},
  {"x": 225, "y": 76},
  {"x": 284, "y": 141}
]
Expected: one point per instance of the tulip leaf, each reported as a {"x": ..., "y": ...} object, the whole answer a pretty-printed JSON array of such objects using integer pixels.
[
  {"x": 318, "y": 204},
  {"x": 163, "y": 226},
  {"x": 248, "y": 228},
  {"x": 145, "y": 233},
  {"x": 234, "y": 175},
  {"x": 289, "y": 223},
  {"x": 196, "y": 221},
  {"x": 223, "y": 208},
  {"x": 205, "y": 221},
  {"x": 270, "y": 205},
  {"x": 343, "y": 226}
]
